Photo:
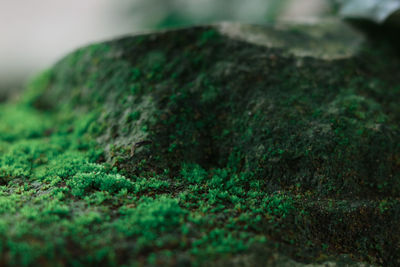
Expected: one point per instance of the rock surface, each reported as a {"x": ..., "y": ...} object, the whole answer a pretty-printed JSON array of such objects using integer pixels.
[{"x": 226, "y": 144}]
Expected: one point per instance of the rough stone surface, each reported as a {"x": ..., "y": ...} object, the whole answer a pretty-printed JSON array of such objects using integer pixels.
[
  {"x": 226, "y": 144},
  {"x": 327, "y": 39}
]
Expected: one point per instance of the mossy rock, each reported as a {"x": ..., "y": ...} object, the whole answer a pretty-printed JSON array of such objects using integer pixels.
[{"x": 227, "y": 144}]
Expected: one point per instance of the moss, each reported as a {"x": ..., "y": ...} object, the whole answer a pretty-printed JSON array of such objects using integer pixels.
[{"x": 165, "y": 149}]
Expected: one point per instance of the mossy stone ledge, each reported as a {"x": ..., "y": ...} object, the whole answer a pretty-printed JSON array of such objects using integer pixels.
[{"x": 226, "y": 144}]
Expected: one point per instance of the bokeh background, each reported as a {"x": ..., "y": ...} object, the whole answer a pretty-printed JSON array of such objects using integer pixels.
[{"x": 35, "y": 33}]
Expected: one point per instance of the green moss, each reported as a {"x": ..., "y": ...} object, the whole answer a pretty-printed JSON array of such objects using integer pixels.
[
  {"x": 165, "y": 149},
  {"x": 36, "y": 87}
]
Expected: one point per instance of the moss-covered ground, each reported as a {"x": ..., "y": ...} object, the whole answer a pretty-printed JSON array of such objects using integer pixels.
[{"x": 189, "y": 148}]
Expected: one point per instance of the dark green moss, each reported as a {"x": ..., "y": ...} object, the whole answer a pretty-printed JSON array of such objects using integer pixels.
[{"x": 190, "y": 147}]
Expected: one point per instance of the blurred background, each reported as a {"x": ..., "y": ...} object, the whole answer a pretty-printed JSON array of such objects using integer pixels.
[{"x": 36, "y": 33}]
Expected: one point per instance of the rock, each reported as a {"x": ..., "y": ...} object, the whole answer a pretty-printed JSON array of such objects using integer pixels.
[
  {"x": 324, "y": 39},
  {"x": 377, "y": 11},
  {"x": 284, "y": 139}
]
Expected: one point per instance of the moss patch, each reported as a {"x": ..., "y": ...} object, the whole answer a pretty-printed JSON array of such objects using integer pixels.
[{"x": 167, "y": 149}]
